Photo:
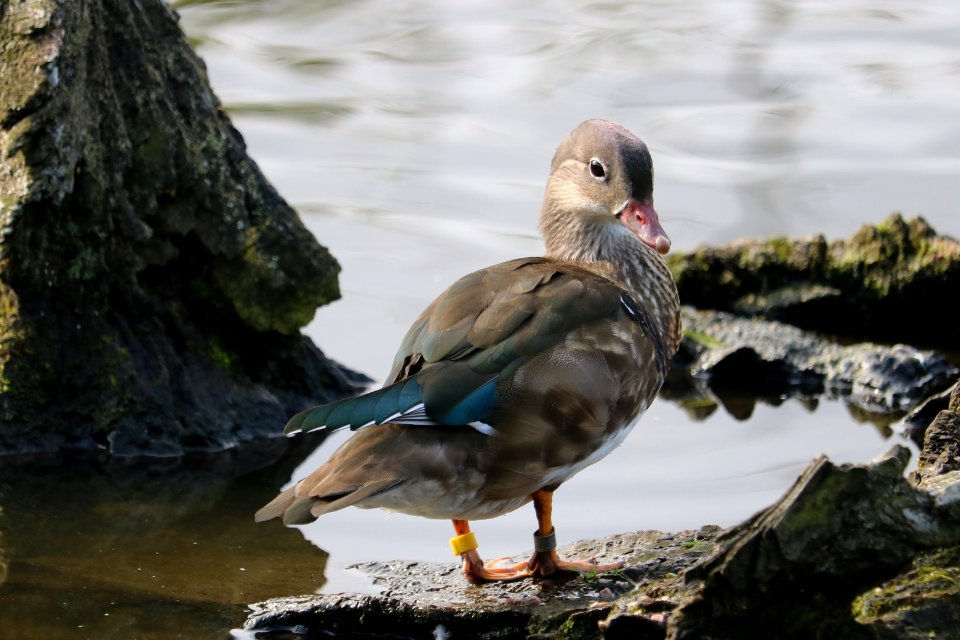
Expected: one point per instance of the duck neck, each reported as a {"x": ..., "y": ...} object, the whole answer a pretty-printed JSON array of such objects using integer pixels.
[{"x": 612, "y": 251}]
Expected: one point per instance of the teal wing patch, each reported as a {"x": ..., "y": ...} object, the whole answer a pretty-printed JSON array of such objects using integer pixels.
[{"x": 475, "y": 334}]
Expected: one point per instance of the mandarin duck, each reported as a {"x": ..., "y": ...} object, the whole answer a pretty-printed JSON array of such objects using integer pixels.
[{"x": 519, "y": 375}]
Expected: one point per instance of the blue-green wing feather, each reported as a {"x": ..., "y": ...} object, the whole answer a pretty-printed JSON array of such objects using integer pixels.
[
  {"x": 354, "y": 413},
  {"x": 479, "y": 331}
]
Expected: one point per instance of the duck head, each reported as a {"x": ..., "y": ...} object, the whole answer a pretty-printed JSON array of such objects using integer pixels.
[{"x": 600, "y": 187}]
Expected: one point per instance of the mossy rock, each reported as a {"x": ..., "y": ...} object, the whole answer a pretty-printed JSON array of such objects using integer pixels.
[
  {"x": 921, "y": 602},
  {"x": 889, "y": 281}
]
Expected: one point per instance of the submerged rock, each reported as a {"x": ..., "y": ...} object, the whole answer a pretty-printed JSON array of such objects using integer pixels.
[
  {"x": 882, "y": 283},
  {"x": 725, "y": 355},
  {"x": 152, "y": 282}
]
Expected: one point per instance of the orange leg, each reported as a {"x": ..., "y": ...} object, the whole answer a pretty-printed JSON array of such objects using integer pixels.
[{"x": 544, "y": 562}]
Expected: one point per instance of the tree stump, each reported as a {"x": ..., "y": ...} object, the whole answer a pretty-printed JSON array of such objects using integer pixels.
[{"x": 152, "y": 282}]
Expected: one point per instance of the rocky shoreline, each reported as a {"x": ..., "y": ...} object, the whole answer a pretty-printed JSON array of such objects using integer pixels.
[
  {"x": 153, "y": 286},
  {"x": 850, "y": 551}
]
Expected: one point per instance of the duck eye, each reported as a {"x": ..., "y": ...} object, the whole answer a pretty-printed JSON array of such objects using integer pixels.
[{"x": 597, "y": 170}]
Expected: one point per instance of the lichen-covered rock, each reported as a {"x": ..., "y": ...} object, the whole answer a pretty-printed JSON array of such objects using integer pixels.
[
  {"x": 916, "y": 422},
  {"x": 359, "y": 615},
  {"x": 795, "y": 569},
  {"x": 941, "y": 446},
  {"x": 922, "y": 602},
  {"x": 152, "y": 283},
  {"x": 427, "y": 600},
  {"x": 880, "y": 283},
  {"x": 727, "y": 355}
]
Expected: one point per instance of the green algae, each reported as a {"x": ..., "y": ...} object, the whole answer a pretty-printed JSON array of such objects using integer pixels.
[
  {"x": 873, "y": 284},
  {"x": 700, "y": 337},
  {"x": 931, "y": 581}
]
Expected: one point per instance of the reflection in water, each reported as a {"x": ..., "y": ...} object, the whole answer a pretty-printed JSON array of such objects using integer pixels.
[
  {"x": 415, "y": 138},
  {"x": 770, "y": 139},
  {"x": 147, "y": 548},
  {"x": 700, "y": 401}
]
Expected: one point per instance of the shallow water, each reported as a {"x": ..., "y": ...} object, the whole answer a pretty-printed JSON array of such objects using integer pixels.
[{"x": 414, "y": 138}]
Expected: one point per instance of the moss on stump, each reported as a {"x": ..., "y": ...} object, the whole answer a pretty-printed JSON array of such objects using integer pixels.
[{"x": 152, "y": 283}]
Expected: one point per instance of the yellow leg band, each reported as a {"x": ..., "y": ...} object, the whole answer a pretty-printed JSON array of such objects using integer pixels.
[{"x": 464, "y": 543}]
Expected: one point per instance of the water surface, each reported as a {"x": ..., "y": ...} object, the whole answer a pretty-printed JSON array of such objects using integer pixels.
[{"x": 415, "y": 138}]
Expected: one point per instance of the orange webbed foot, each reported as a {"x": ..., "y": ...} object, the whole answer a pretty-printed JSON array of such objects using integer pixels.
[
  {"x": 545, "y": 561},
  {"x": 548, "y": 563},
  {"x": 543, "y": 564},
  {"x": 499, "y": 570}
]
